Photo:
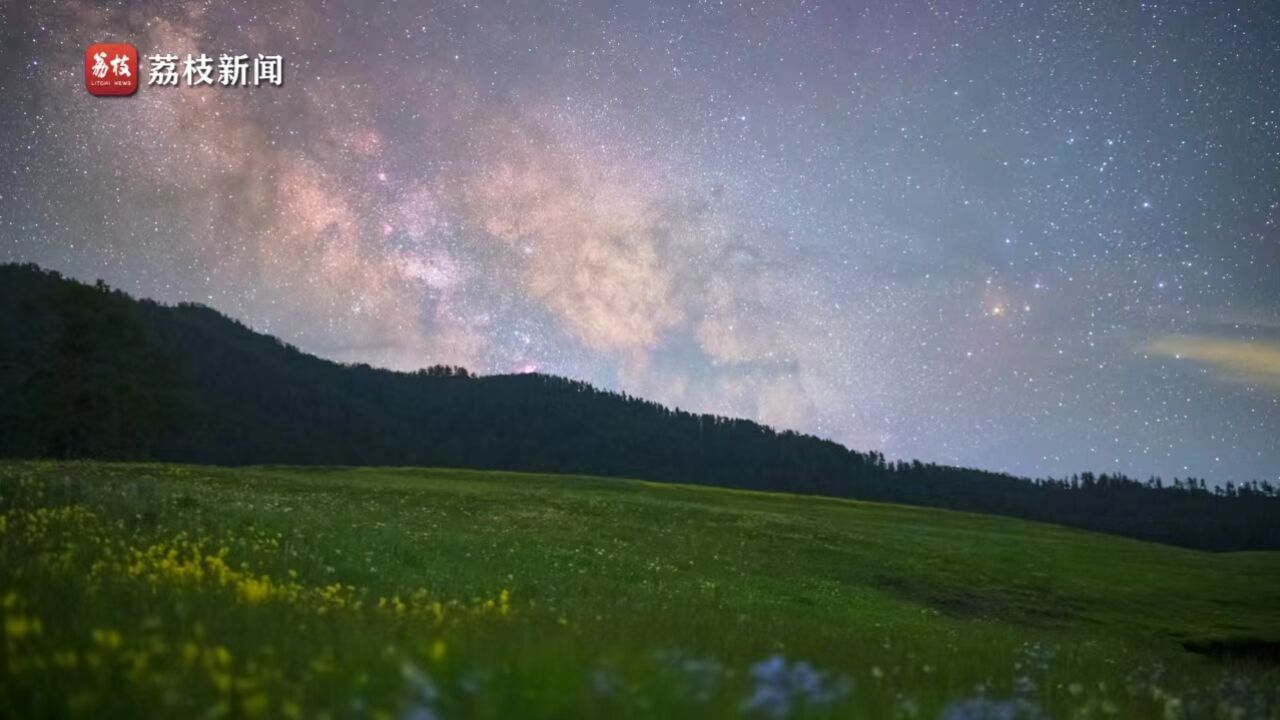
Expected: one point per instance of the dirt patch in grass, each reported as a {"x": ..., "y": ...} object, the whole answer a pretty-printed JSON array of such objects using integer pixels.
[
  {"x": 1236, "y": 649},
  {"x": 1027, "y": 606}
]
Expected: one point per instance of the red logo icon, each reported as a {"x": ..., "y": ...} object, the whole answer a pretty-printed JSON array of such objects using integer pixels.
[{"x": 111, "y": 69}]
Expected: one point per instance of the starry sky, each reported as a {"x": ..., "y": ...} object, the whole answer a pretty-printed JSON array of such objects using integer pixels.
[{"x": 1040, "y": 237}]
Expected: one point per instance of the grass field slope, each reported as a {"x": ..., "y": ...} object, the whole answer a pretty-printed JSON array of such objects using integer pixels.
[{"x": 185, "y": 591}]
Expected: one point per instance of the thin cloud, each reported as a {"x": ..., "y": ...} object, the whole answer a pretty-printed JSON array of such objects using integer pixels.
[{"x": 1248, "y": 361}]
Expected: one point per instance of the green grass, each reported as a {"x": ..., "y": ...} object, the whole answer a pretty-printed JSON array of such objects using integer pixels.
[{"x": 622, "y": 599}]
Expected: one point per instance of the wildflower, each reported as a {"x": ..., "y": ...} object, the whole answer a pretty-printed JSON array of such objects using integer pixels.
[
  {"x": 1024, "y": 686},
  {"x": 986, "y": 709},
  {"x": 423, "y": 692},
  {"x": 419, "y": 712},
  {"x": 605, "y": 682},
  {"x": 17, "y": 627},
  {"x": 255, "y": 704},
  {"x": 780, "y": 686},
  {"x": 107, "y": 638},
  {"x": 222, "y": 656},
  {"x": 698, "y": 677},
  {"x": 255, "y": 590}
]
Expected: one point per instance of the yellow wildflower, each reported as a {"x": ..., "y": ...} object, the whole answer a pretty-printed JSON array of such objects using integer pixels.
[
  {"x": 107, "y": 638},
  {"x": 254, "y": 590},
  {"x": 222, "y": 655},
  {"x": 17, "y": 627},
  {"x": 255, "y": 705}
]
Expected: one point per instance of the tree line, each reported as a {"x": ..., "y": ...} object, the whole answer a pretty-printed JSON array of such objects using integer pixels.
[{"x": 87, "y": 371}]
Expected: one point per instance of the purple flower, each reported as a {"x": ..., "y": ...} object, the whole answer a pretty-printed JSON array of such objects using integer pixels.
[
  {"x": 780, "y": 687},
  {"x": 987, "y": 709}
]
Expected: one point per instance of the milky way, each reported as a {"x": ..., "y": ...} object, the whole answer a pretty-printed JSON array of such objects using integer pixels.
[{"x": 1028, "y": 236}]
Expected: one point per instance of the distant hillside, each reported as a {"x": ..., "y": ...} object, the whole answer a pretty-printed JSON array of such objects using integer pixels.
[{"x": 86, "y": 371}]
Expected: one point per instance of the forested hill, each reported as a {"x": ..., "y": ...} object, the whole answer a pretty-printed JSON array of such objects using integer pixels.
[{"x": 86, "y": 371}]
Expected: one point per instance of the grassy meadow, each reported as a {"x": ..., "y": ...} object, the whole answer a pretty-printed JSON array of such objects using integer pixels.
[{"x": 197, "y": 592}]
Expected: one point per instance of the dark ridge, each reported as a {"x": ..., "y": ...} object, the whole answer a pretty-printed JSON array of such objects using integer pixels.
[{"x": 86, "y": 371}]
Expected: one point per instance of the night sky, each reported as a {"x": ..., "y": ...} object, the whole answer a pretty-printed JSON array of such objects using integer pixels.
[{"x": 1027, "y": 236}]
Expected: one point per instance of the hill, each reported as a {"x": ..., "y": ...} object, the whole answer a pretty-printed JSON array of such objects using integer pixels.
[
  {"x": 181, "y": 591},
  {"x": 86, "y": 371}
]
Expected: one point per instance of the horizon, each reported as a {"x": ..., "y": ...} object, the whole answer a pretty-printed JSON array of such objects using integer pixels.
[{"x": 1212, "y": 483}]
